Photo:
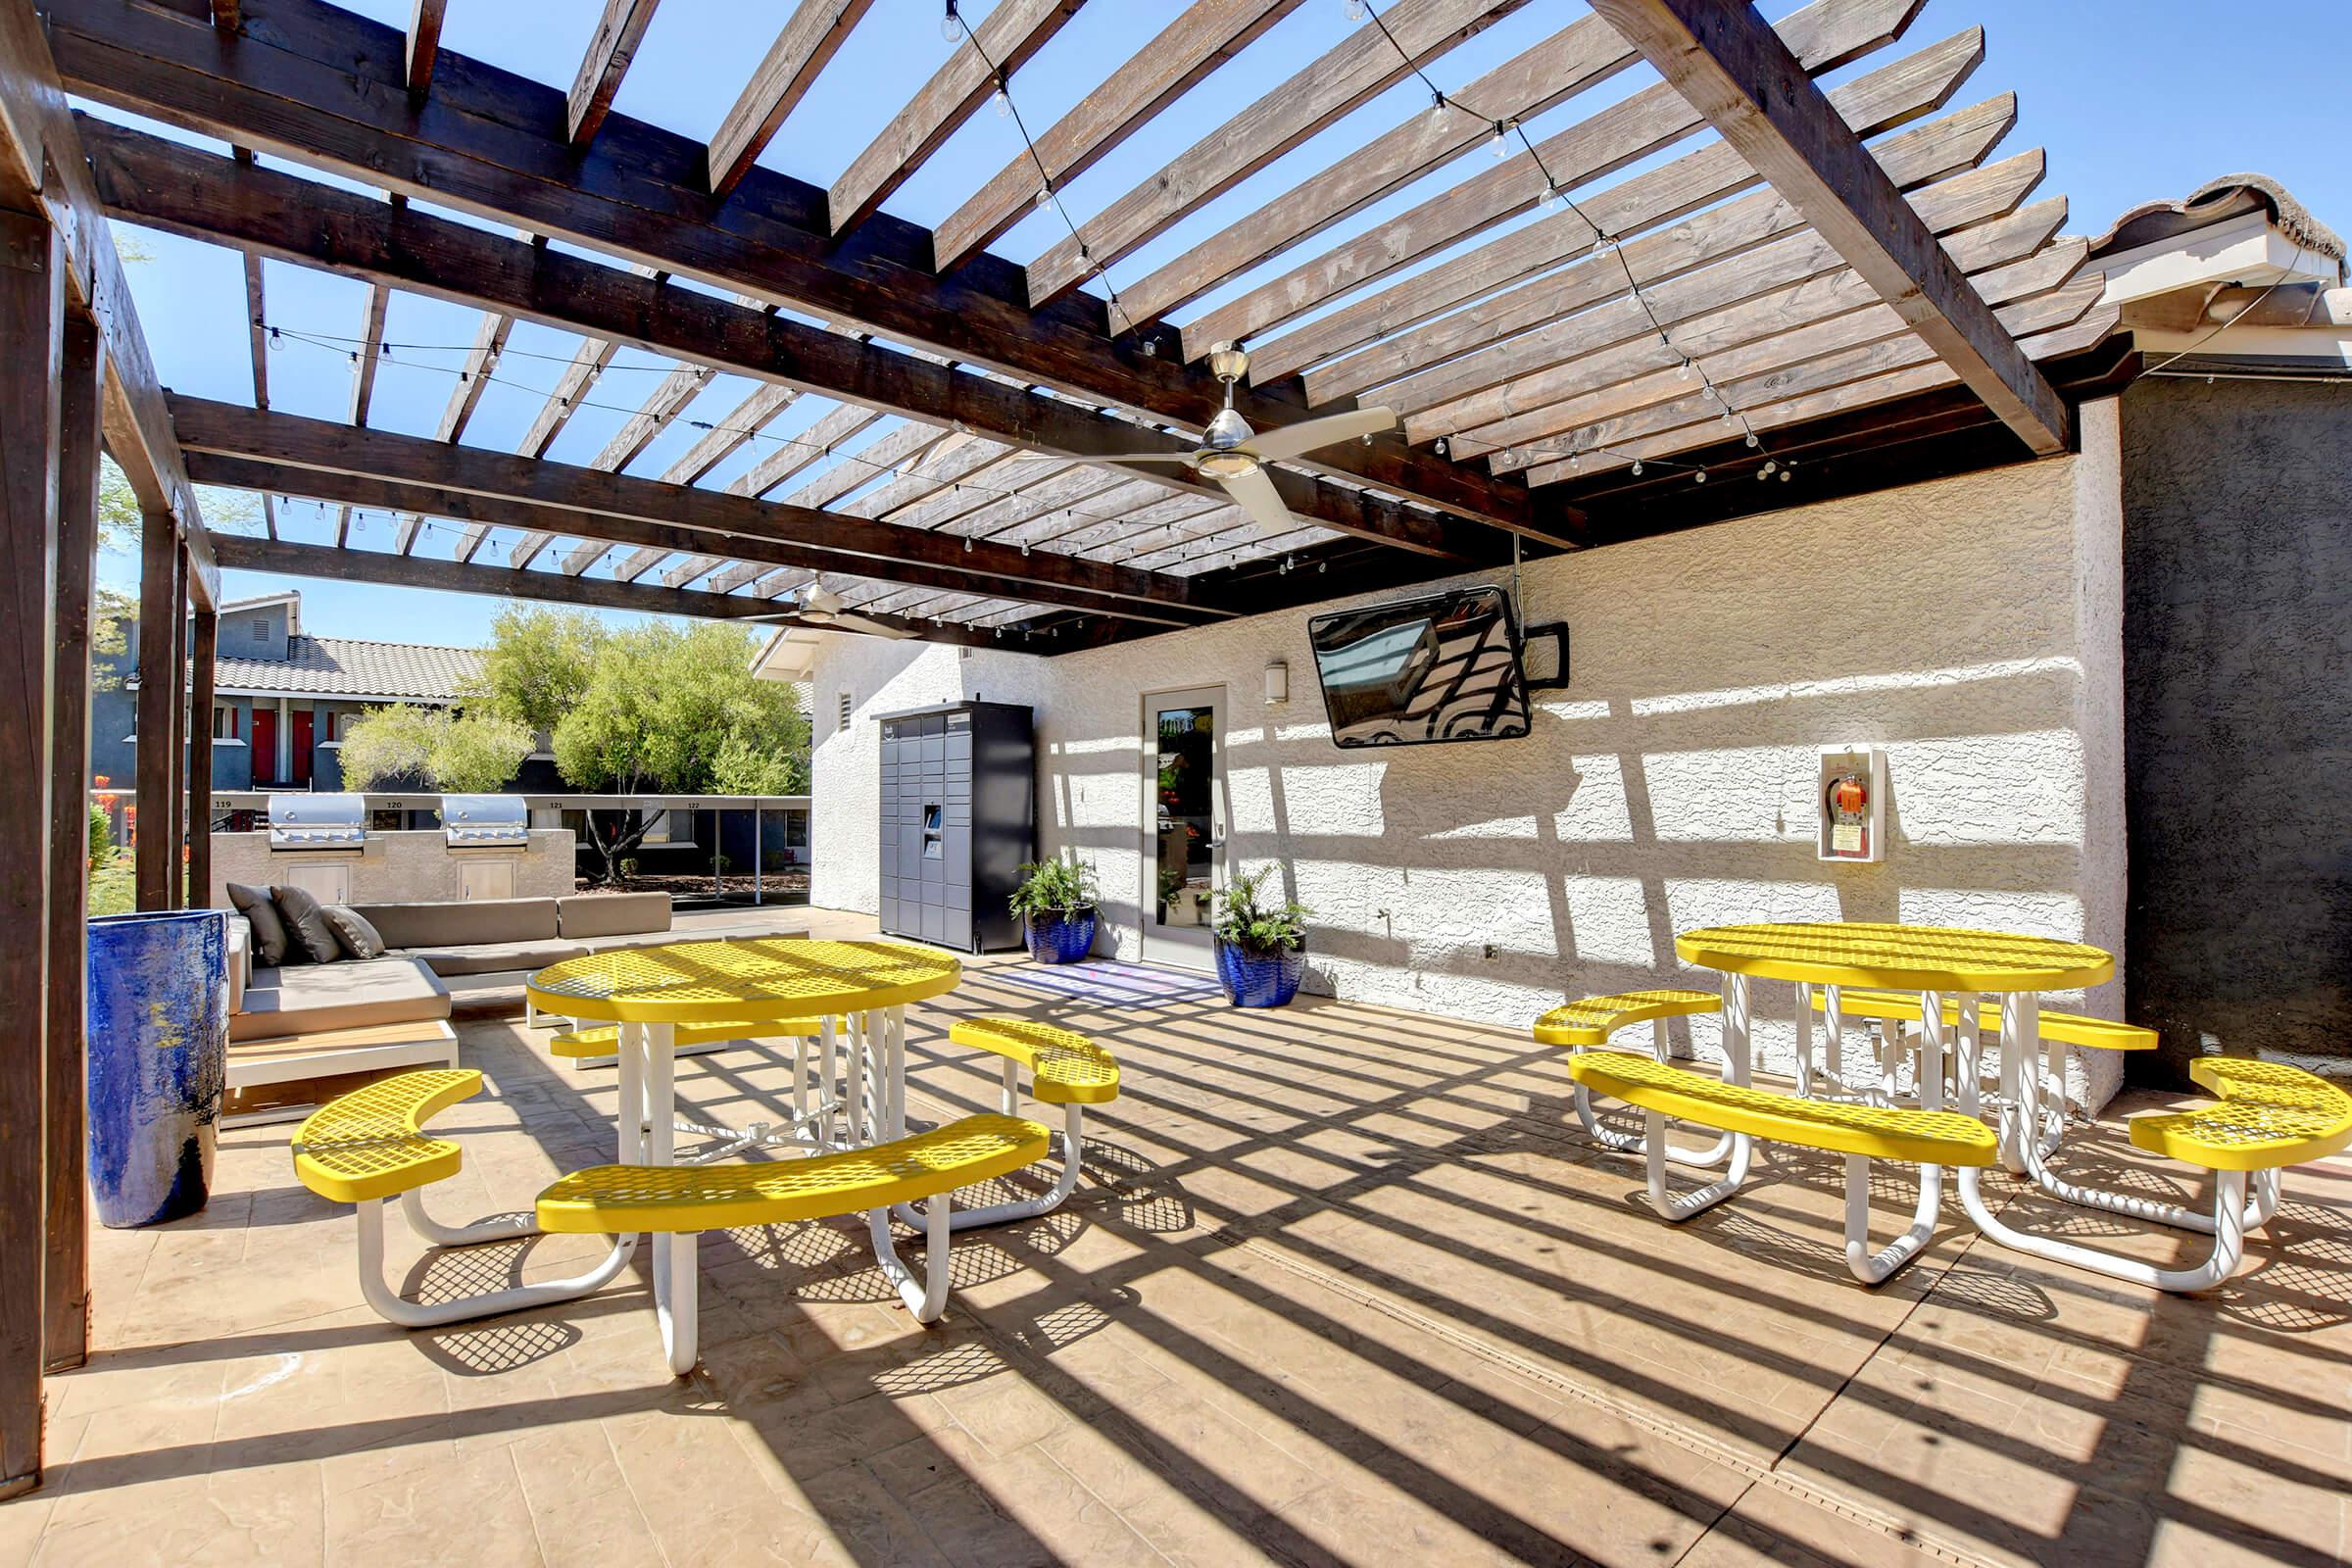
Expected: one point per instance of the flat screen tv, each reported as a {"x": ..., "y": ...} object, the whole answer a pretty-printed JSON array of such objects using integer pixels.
[{"x": 1423, "y": 670}]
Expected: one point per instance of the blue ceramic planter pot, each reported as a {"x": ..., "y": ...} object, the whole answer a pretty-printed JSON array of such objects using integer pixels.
[
  {"x": 1059, "y": 937},
  {"x": 158, "y": 1061},
  {"x": 1253, "y": 981}
]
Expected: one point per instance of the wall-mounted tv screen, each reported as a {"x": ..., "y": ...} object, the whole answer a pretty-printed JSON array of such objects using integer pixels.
[{"x": 1422, "y": 670}]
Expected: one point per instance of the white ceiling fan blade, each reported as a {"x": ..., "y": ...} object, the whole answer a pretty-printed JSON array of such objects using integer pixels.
[
  {"x": 1145, "y": 457},
  {"x": 1256, "y": 494},
  {"x": 1290, "y": 440},
  {"x": 850, "y": 621}
]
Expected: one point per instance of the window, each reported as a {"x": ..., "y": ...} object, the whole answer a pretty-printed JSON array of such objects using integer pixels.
[
  {"x": 843, "y": 707},
  {"x": 225, "y": 721}
]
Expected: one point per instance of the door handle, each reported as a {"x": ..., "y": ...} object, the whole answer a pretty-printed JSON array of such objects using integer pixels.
[{"x": 1216, "y": 844}]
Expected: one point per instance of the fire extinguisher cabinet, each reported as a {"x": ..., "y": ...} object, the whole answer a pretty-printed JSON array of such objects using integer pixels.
[{"x": 958, "y": 818}]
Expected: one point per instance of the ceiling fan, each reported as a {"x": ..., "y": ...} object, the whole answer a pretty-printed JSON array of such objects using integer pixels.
[
  {"x": 1236, "y": 456},
  {"x": 819, "y": 605}
]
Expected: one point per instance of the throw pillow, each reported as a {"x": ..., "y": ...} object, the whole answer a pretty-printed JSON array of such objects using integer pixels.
[
  {"x": 270, "y": 941},
  {"x": 305, "y": 924},
  {"x": 358, "y": 938}
]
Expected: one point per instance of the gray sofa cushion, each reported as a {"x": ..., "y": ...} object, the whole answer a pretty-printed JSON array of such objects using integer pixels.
[
  {"x": 493, "y": 957},
  {"x": 462, "y": 923},
  {"x": 613, "y": 914},
  {"x": 305, "y": 924},
  {"x": 635, "y": 939},
  {"x": 308, "y": 998},
  {"x": 269, "y": 939}
]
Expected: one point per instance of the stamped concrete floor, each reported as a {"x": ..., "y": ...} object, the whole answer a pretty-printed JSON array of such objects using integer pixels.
[{"x": 1341, "y": 1285}]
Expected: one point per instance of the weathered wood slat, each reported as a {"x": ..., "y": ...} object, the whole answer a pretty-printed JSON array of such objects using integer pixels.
[
  {"x": 594, "y": 496},
  {"x": 923, "y": 474},
  {"x": 1378, "y": 324},
  {"x": 667, "y": 400},
  {"x": 614, "y": 45},
  {"x": 1837, "y": 382},
  {"x": 905, "y": 445},
  {"x": 1577, "y": 56},
  {"x": 490, "y": 142},
  {"x": 1819, "y": 316},
  {"x": 423, "y": 42},
  {"x": 473, "y": 377},
  {"x": 1824, "y": 34},
  {"x": 363, "y": 358},
  {"x": 725, "y": 435},
  {"x": 1342, "y": 78},
  {"x": 1737, "y": 72},
  {"x": 811, "y": 446},
  {"x": 1201, "y": 37},
  {"x": 1488, "y": 385},
  {"x": 154, "y": 858},
  {"x": 1011, "y": 32},
  {"x": 204, "y": 655},
  {"x": 809, "y": 38}
]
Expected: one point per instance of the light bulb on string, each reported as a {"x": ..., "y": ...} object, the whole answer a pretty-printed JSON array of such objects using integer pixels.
[
  {"x": 1700, "y": 478},
  {"x": 1436, "y": 106},
  {"x": 1045, "y": 198},
  {"x": 1501, "y": 142},
  {"x": 1356, "y": 9},
  {"x": 1000, "y": 100},
  {"x": 1751, "y": 439},
  {"x": 1637, "y": 468},
  {"x": 1550, "y": 201},
  {"x": 950, "y": 26}
]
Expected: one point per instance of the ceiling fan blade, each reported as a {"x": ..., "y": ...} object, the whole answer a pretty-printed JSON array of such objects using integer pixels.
[
  {"x": 850, "y": 621},
  {"x": 1290, "y": 440},
  {"x": 1145, "y": 457},
  {"x": 1256, "y": 494}
]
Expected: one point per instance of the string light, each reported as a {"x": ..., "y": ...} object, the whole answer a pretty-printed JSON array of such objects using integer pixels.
[
  {"x": 1550, "y": 201},
  {"x": 1356, "y": 9},
  {"x": 1000, "y": 100},
  {"x": 1501, "y": 142},
  {"x": 1045, "y": 198},
  {"x": 950, "y": 26},
  {"x": 1437, "y": 99}
]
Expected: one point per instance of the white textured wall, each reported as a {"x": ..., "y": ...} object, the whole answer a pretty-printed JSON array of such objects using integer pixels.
[{"x": 1969, "y": 625}]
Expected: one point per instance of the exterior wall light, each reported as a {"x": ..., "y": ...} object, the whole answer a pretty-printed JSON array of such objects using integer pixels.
[{"x": 1278, "y": 682}]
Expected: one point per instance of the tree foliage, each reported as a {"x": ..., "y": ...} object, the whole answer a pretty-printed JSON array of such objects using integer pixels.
[
  {"x": 459, "y": 754},
  {"x": 536, "y": 666}
]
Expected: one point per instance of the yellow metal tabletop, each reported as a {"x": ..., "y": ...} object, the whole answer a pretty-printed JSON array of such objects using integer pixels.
[
  {"x": 1899, "y": 957},
  {"x": 762, "y": 980}
]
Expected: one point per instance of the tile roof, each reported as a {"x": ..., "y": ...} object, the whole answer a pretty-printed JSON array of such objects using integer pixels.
[{"x": 342, "y": 667}]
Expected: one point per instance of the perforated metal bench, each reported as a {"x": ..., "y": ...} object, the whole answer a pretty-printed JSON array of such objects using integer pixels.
[
  {"x": 1590, "y": 1023},
  {"x": 1066, "y": 1070}
]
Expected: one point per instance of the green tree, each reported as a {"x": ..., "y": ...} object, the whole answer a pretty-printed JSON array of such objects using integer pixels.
[
  {"x": 536, "y": 666},
  {"x": 461, "y": 754},
  {"x": 671, "y": 710}
]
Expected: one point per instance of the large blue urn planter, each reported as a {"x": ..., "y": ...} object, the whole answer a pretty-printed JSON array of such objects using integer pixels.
[
  {"x": 1259, "y": 980},
  {"x": 158, "y": 1061},
  {"x": 1059, "y": 937}
]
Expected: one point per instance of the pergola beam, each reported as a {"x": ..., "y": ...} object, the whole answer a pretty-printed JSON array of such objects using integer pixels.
[
  {"x": 610, "y": 51},
  {"x": 244, "y": 553},
  {"x": 489, "y": 142},
  {"x": 581, "y": 497},
  {"x": 809, "y": 39},
  {"x": 423, "y": 44},
  {"x": 201, "y": 195},
  {"x": 1735, "y": 70}
]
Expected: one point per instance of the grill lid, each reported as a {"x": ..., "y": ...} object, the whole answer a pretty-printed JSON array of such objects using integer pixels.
[
  {"x": 478, "y": 821},
  {"x": 317, "y": 821}
]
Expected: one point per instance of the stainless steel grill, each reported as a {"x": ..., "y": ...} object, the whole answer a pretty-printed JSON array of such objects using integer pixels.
[
  {"x": 486, "y": 821},
  {"x": 318, "y": 822}
]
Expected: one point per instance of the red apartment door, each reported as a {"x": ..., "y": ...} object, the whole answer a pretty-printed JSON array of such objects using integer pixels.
[
  {"x": 265, "y": 745},
  {"x": 299, "y": 774}
]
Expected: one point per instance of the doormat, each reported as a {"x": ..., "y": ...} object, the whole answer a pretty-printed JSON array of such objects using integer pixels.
[{"x": 1108, "y": 983}]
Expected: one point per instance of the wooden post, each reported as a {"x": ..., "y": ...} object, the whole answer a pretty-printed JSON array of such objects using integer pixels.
[
  {"x": 66, "y": 1284},
  {"x": 200, "y": 760},
  {"x": 31, "y": 311},
  {"x": 158, "y": 547},
  {"x": 179, "y": 776}
]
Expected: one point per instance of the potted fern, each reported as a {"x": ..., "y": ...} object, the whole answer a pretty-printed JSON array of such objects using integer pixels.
[
  {"x": 1055, "y": 906},
  {"x": 1260, "y": 946}
]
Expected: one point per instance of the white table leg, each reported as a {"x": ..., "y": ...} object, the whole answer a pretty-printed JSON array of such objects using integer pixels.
[
  {"x": 1803, "y": 1019},
  {"x": 854, "y": 1097},
  {"x": 1833, "y": 1015},
  {"x": 2020, "y": 1039},
  {"x": 894, "y": 1078}
]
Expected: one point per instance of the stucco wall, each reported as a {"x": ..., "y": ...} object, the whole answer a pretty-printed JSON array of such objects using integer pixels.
[
  {"x": 2238, "y": 620},
  {"x": 1969, "y": 625}
]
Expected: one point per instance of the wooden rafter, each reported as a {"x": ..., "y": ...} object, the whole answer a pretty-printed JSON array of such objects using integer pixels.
[
  {"x": 1737, "y": 72},
  {"x": 1824, "y": 35},
  {"x": 308, "y": 93},
  {"x": 1199, "y": 39},
  {"x": 451, "y": 577},
  {"x": 544, "y": 490},
  {"x": 1011, "y": 32},
  {"x": 725, "y": 435},
  {"x": 614, "y": 44},
  {"x": 188, "y": 191},
  {"x": 813, "y": 445},
  {"x": 473, "y": 377},
  {"x": 371, "y": 349},
  {"x": 1379, "y": 327},
  {"x": 667, "y": 400},
  {"x": 810, "y": 37},
  {"x": 1350, "y": 73},
  {"x": 423, "y": 44}
]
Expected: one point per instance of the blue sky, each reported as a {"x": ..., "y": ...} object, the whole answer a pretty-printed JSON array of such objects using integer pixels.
[{"x": 2134, "y": 102}]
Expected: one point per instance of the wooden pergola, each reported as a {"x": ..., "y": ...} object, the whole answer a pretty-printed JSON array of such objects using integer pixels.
[{"x": 1739, "y": 272}]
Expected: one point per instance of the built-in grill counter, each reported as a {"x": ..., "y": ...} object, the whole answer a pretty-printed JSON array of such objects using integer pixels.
[
  {"x": 314, "y": 839},
  {"x": 487, "y": 834}
]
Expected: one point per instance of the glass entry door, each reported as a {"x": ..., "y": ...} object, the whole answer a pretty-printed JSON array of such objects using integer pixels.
[{"x": 1184, "y": 822}]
